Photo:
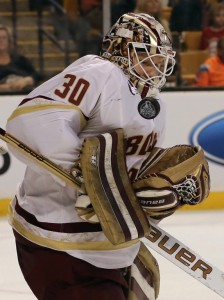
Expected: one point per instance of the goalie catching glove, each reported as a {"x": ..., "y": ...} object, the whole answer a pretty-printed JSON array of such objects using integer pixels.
[{"x": 172, "y": 177}]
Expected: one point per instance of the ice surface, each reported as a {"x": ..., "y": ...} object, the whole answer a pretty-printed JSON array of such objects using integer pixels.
[{"x": 203, "y": 232}]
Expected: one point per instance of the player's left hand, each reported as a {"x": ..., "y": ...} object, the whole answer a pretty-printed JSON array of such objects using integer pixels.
[{"x": 172, "y": 177}]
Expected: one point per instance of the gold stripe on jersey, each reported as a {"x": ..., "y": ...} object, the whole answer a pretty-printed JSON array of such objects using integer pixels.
[
  {"x": 30, "y": 109},
  {"x": 64, "y": 245}
]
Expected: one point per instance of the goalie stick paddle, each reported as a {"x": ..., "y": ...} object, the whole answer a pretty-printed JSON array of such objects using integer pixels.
[
  {"x": 185, "y": 258},
  {"x": 158, "y": 240}
]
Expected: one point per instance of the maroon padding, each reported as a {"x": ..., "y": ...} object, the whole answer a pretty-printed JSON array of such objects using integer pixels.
[{"x": 55, "y": 275}]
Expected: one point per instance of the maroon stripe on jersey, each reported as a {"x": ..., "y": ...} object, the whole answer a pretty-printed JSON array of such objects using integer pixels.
[
  {"x": 43, "y": 97},
  {"x": 107, "y": 188},
  {"x": 136, "y": 289},
  {"x": 77, "y": 227},
  {"x": 122, "y": 190},
  {"x": 29, "y": 99}
]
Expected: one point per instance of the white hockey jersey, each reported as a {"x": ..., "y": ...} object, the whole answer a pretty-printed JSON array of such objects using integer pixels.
[{"x": 89, "y": 97}]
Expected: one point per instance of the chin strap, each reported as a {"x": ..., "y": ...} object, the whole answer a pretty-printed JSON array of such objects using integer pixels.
[{"x": 145, "y": 90}]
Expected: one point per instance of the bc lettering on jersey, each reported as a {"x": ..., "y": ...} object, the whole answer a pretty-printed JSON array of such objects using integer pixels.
[{"x": 139, "y": 145}]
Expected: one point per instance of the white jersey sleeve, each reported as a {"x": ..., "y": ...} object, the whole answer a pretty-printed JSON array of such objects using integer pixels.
[{"x": 52, "y": 116}]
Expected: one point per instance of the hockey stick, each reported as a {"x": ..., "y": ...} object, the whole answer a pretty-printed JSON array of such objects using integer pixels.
[
  {"x": 185, "y": 258},
  {"x": 158, "y": 240},
  {"x": 39, "y": 159}
]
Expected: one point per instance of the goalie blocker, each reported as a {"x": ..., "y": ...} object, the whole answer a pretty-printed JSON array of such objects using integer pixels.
[{"x": 109, "y": 188}]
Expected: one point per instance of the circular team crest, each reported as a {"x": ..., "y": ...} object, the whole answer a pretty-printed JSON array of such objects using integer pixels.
[{"x": 148, "y": 108}]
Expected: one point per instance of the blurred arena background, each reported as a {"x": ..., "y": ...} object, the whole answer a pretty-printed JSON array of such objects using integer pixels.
[{"x": 40, "y": 31}]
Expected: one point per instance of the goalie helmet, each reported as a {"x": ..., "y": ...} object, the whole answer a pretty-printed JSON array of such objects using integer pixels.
[{"x": 130, "y": 37}]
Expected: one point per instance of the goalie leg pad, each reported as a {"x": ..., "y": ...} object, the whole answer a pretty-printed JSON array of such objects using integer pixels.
[
  {"x": 110, "y": 190},
  {"x": 144, "y": 279}
]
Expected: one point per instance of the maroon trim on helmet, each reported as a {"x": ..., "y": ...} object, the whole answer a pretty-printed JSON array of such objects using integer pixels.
[
  {"x": 131, "y": 14},
  {"x": 77, "y": 227},
  {"x": 148, "y": 24}
]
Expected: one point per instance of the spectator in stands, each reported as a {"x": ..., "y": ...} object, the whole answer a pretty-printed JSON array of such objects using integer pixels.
[
  {"x": 16, "y": 71},
  {"x": 87, "y": 5},
  {"x": 85, "y": 23},
  {"x": 212, "y": 33},
  {"x": 187, "y": 15},
  {"x": 211, "y": 72},
  {"x": 153, "y": 8},
  {"x": 85, "y": 27}
]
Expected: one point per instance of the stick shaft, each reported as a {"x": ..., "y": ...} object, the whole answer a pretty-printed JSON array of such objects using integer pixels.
[
  {"x": 186, "y": 259},
  {"x": 40, "y": 160}
]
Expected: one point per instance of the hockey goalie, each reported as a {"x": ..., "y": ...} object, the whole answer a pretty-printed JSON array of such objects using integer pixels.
[{"x": 102, "y": 119}]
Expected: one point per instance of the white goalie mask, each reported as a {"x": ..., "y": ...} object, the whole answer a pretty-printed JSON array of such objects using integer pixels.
[{"x": 137, "y": 40}]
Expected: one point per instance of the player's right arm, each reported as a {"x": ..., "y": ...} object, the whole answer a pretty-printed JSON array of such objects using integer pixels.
[{"x": 51, "y": 118}]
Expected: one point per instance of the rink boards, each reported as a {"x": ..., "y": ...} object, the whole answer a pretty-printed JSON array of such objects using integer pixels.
[{"x": 193, "y": 117}]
